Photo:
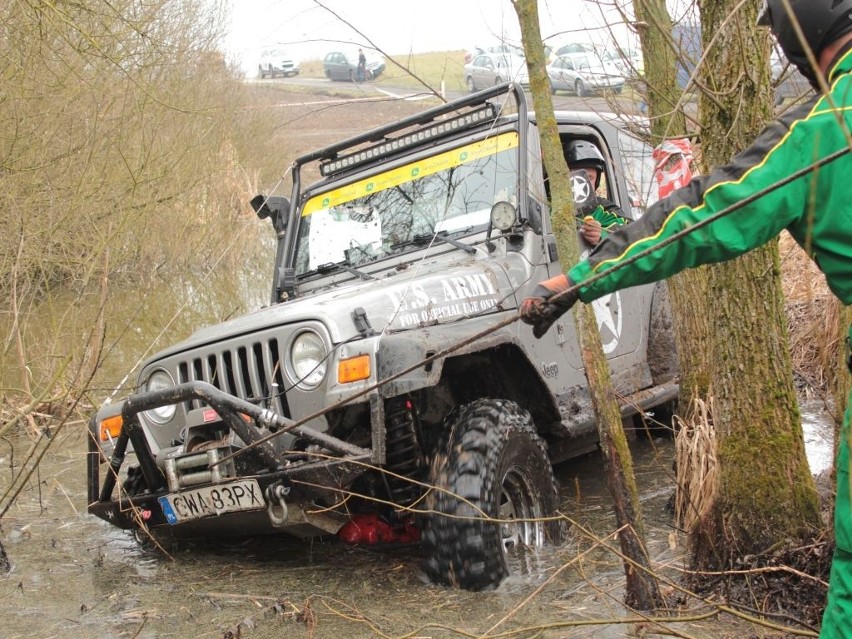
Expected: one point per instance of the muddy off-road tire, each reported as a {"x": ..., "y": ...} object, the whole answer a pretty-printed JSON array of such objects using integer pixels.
[{"x": 495, "y": 461}]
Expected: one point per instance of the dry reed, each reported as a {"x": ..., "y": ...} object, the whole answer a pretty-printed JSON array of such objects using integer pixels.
[
  {"x": 696, "y": 465},
  {"x": 812, "y": 319}
]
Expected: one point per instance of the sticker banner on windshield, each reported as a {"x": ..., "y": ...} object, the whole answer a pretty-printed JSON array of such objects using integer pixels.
[{"x": 411, "y": 172}]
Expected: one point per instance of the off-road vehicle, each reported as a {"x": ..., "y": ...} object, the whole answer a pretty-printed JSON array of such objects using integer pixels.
[{"x": 357, "y": 402}]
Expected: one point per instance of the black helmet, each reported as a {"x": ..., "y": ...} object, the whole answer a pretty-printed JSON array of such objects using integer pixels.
[
  {"x": 821, "y": 21},
  {"x": 581, "y": 153}
]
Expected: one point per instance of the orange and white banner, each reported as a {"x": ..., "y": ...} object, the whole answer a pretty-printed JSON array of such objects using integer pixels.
[{"x": 673, "y": 168}]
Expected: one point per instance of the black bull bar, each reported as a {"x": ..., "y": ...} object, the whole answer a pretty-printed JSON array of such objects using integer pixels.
[{"x": 122, "y": 512}]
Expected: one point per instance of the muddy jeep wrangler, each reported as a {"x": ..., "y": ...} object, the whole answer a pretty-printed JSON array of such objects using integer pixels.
[{"x": 357, "y": 403}]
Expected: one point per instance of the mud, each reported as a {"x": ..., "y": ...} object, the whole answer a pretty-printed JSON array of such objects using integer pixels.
[{"x": 75, "y": 576}]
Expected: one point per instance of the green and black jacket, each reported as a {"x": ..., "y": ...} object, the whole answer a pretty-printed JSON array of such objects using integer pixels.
[{"x": 815, "y": 208}]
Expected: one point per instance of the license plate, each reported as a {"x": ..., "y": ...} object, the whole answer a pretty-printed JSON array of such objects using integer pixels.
[{"x": 212, "y": 500}]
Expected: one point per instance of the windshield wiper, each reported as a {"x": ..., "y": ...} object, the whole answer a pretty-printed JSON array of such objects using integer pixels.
[
  {"x": 331, "y": 267},
  {"x": 441, "y": 236}
]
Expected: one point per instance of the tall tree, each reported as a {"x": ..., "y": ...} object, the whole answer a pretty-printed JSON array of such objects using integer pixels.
[
  {"x": 668, "y": 120},
  {"x": 730, "y": 326},
  {"x": 642, "y": 589},
  {"x": 765, "y": 492}
]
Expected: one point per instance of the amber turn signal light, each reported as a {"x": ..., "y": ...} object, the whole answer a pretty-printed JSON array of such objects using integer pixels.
[
  {"x": 111, "y": 427},
  {"x": 353, "y": 369}
]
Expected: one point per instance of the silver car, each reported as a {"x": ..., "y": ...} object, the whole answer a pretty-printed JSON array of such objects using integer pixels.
[
  {"x": 584, "y": 74},
  {"x": 488, "y": 69}
]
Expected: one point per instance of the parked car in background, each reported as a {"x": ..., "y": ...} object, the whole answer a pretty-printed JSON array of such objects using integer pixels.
[
  {"x": 277, "y": 62},
  {"x": 570, "y": 48},
  {"x": 628, "y": 61},
  {"x": 488, "y": 69},
  {"x": 584, "y": 74},
  {"x": 343, "y": 65},
  {"x": 631, "y": 61},
  {"x": 508, "y": 49}
]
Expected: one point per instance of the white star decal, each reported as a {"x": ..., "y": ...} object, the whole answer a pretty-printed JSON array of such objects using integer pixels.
[
  {"x": 581, "y": 188},
  {"x": 608, "y": 313}
]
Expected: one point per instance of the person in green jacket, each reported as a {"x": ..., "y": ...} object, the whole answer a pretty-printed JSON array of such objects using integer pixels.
[
  {"x": 795, "y": 176},
  {"x": 601, "y": 216}
]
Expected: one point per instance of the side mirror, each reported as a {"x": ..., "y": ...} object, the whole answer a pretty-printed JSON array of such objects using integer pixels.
[{"x": 274, "y": 207}]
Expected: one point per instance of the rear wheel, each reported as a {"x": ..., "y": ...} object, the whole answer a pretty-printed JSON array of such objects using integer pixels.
[
  {"x": 491, "y": 482},
  {"x": 580, "y": 89},
  {"x": 471, "y": 85}
]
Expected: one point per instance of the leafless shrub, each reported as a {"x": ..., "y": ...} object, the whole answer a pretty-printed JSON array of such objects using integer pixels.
[{"x": 125, "y": 135}]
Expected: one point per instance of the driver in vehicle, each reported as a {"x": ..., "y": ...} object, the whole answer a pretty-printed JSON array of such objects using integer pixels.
[{"x": 603, "y": 215}]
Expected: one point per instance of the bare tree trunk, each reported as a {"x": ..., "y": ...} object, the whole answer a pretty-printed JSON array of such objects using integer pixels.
[
  {"x": 642, "y": 590},
  {"x": 729, "y": 322},
  {"x": 765, "y": 490},
  {"x": 668, "y": 120},
  {"x": 662, "y": 93}
]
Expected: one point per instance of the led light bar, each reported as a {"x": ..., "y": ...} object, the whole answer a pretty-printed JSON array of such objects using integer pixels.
[{"x": 484, "y": 114}]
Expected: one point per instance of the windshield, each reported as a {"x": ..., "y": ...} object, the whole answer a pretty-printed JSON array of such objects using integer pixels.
[{"x": 451, "y": 192}]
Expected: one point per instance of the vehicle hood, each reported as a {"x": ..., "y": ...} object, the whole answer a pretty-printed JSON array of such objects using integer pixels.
[{"x": 437, "y": 292}]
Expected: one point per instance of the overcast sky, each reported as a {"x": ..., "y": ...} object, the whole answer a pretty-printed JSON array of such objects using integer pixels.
[{"x": 398, "y": 26}]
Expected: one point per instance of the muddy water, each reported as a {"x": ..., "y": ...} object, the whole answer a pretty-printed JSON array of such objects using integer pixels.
[{"x": 75, "y": 576}]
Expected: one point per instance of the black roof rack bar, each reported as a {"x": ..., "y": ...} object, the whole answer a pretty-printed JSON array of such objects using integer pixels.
[{"x": 376, "y": 135}]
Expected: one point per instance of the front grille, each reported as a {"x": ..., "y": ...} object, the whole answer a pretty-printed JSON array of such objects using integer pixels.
[{"x": 249, "y": 370}]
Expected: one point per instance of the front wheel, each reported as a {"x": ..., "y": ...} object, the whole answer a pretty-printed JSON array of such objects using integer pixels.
[
  {"x": 580, "y": 89},
  {"x": 492, "y": 484},
  {"x": 471, "y": 85}
]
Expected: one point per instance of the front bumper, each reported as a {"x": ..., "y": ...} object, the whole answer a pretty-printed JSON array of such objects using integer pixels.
[{"x": 302, "y": 479}]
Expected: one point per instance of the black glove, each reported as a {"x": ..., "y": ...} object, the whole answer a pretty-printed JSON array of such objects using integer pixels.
[{"x": 549, "y": 301}]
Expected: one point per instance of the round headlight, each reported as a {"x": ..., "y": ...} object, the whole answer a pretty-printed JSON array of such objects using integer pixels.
[
  {"x": 159, "y": 380},
  {"x": 308, "y": 359}
]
